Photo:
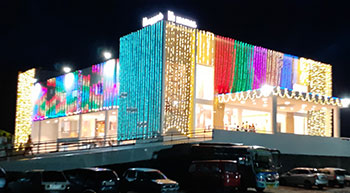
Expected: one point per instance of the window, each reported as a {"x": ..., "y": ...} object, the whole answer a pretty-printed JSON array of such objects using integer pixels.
[
  {"x": 93, "y": 125},
  {"x": 68, "y": 127}
]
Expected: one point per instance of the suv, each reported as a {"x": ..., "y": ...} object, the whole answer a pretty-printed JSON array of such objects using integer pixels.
[
  {"x": 40, "y": 181},
  {"x": 335, "y": 176},
  {"x": 93, "y": 180},
  {"x": 147, "y": 180},
  {"x": 222, "y": 174},
  {"x": 304, "y": 176}
]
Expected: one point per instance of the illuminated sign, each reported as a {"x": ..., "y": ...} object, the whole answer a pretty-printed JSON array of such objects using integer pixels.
[
  {"x": 171, "y": 17},
  {"x": 180, "y": 20},
  {"x": 150, "y": 21}
]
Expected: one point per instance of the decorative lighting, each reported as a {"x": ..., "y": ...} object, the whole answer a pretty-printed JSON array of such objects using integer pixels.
[
  {"x": 282, "y": 107},
  {"x": 266, "y": 90},
  {"x": 287, "y": 103},
  {"x": 24, "y": 107},
  {"x": 242, "y": 102},
  {"x": 303, "y": 106},
  {"x": 109, "y": 68},
  {"x": 68, "y": 80},
  {"x": 264, "y": 105}
]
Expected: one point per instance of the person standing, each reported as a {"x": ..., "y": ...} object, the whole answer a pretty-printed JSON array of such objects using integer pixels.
[{"x": 28, "y": 146}]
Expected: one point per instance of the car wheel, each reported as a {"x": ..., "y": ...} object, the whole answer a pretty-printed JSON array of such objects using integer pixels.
[
  {"x": 260, "y": 189},
  {"x": 307, "y": 185}
]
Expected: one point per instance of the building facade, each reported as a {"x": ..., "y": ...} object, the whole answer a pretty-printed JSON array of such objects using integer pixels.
[{"x": 171, "y": 78}]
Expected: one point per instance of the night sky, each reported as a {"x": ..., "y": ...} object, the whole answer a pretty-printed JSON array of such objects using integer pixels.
[{"x": 49, "y": 34}]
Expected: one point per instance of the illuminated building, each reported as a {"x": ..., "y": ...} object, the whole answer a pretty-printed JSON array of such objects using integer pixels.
[{"x": 174, "y": 78}]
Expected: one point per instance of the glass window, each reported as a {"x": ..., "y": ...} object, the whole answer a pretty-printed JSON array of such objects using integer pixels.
[
  {"x": 112, "y": 123},
  {"x": 260, "y": 120},
  {"x": 205, "y": 82},
  {"x": 35, "y": 131},
  {"x": 68, "y": 127},
  {"x": 231, "y": 118},
  {"x": 49, "y": 130},
  {"x": 93, "y": 125},
  {"x": 300, "y": 125},
  {"x": 204, "y": 117}
]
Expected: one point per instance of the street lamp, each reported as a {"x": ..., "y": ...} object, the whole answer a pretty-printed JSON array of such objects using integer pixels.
[
  {"x": 107, "y": 55},
  {"x": 345, "y": 102},
  {"x": 66, "y": 69}
]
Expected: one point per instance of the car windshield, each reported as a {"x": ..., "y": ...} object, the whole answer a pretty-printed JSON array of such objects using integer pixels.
[
  {"x": 105, "y": 175},
  {"x": 153, "y": 175},
  {"x": 230, "y": 167},
  {"x": 263, "y": 159},
  {"x": 51, "y": 176}
]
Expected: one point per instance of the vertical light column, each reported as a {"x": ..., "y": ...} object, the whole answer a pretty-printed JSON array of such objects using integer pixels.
[
  {"x": 24, "y": 106},
  {"x": 140, "y": 78},
  {"x": 179, "y": 78}
]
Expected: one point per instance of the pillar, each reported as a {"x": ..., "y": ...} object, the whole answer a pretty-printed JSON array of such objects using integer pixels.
[
  {"x": 239, "y": 116},
  {"x": 106, "y": 124},
  {"x": 219, "y": 112},
  {"x": 273, "y": 114},
  {"x": 290, "y": 122},
  {"x": 336, "y": 122}
]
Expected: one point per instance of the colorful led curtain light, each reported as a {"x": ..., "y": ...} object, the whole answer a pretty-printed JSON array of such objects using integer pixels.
[
  {"x": 24, "y": 106},
  {"x": 260, "y": 59},
  {"x": 286, "y": 79},
  {"x": 141, "y": 69},
  {"x": 224, "y": 64},
  {"x": 90, "y": 89},
  {"x": 180, "y": 58}
]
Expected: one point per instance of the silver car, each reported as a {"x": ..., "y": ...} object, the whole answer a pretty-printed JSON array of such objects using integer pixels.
[
  {"x": 336, "y": 176},
  {"x": 307, "y": 177}
]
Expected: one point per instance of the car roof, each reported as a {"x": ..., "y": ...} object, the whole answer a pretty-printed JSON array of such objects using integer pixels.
[
  {"x": 214, "y": 161},
  {"x": 304, "y": 168},
  {"x": 329, "y": 168},
  {"x": 96, "y": 169},
  {"x": 144, "y": 169}
]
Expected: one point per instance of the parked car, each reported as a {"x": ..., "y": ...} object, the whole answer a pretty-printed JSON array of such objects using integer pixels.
[
  {"x": 307, "y": 177},
  {"x": 347, "y": 178},
  {"x": 40, "y": 181},
  {"x": 3, "y": 180},
  {"x": 217, "y": 174},
  {"x": 147, "y": 180},
  {"x": 93, "y": 180},
  {"x": 335, "y": 176}
]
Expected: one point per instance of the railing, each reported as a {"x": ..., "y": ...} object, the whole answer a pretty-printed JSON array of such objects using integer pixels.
[{"x": 75, "y": 144}]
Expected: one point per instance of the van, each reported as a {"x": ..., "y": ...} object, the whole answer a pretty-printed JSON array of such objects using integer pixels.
[{"x": 218, "y": 174}]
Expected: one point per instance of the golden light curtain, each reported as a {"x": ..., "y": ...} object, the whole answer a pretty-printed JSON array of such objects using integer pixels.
[
  {"x": 205, "y": 48},
  {"x": 24, "y": 106},
  {"x": 180, "y": 48}
]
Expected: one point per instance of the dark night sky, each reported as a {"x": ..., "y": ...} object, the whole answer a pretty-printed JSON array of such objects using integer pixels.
[{"x": 51, "y": 33}]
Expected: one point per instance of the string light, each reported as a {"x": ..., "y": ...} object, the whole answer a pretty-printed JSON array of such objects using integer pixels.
[{"x": 24, "y": 107}]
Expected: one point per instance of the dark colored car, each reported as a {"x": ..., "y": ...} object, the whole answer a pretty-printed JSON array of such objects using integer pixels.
[
  {"x": 93, "y": 180},
  {"x": 40, "y": 181},
  {"x": 147, "y": 180},
  {"x": 307, "y": 177},
  {"x": 214, "y": 174}
]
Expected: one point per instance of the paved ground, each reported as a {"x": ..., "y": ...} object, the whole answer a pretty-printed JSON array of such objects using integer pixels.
[{"x": 288, "y": 189}]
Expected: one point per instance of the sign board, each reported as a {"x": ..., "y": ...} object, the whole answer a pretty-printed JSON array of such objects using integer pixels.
[{"x": 170, "y": 17}]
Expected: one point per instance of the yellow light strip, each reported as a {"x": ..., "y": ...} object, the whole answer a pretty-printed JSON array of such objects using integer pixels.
[{"x": 24, "y": 106}]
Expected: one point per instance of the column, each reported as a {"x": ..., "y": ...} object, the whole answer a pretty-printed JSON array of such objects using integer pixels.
[
  {"x": 80, "y": 125},
  {"x": 290, "y": 122},
  {"x": 336, "y": 122},
  {"x": 273, "y": 114},
  {"x": 239, "y": 116},
  {"x": 106, "y": 124},
  {"x": 219, "y": 110}
]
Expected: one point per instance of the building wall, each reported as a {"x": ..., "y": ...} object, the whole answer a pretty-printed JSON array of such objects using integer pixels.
[{"x": 288, "y": 143}]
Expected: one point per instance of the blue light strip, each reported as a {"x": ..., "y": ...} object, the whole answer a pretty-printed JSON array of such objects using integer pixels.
[{"x": 140, "y": 78}]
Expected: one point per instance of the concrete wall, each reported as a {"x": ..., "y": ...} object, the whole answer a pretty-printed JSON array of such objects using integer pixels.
[{"x": 288, "y": 143}]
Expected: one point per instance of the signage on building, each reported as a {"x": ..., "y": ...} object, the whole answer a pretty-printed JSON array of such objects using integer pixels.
[{"x": 170, "y": 17}]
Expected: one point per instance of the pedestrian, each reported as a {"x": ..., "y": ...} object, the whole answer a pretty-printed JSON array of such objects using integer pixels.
[{"x": 28, "y": 146}]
